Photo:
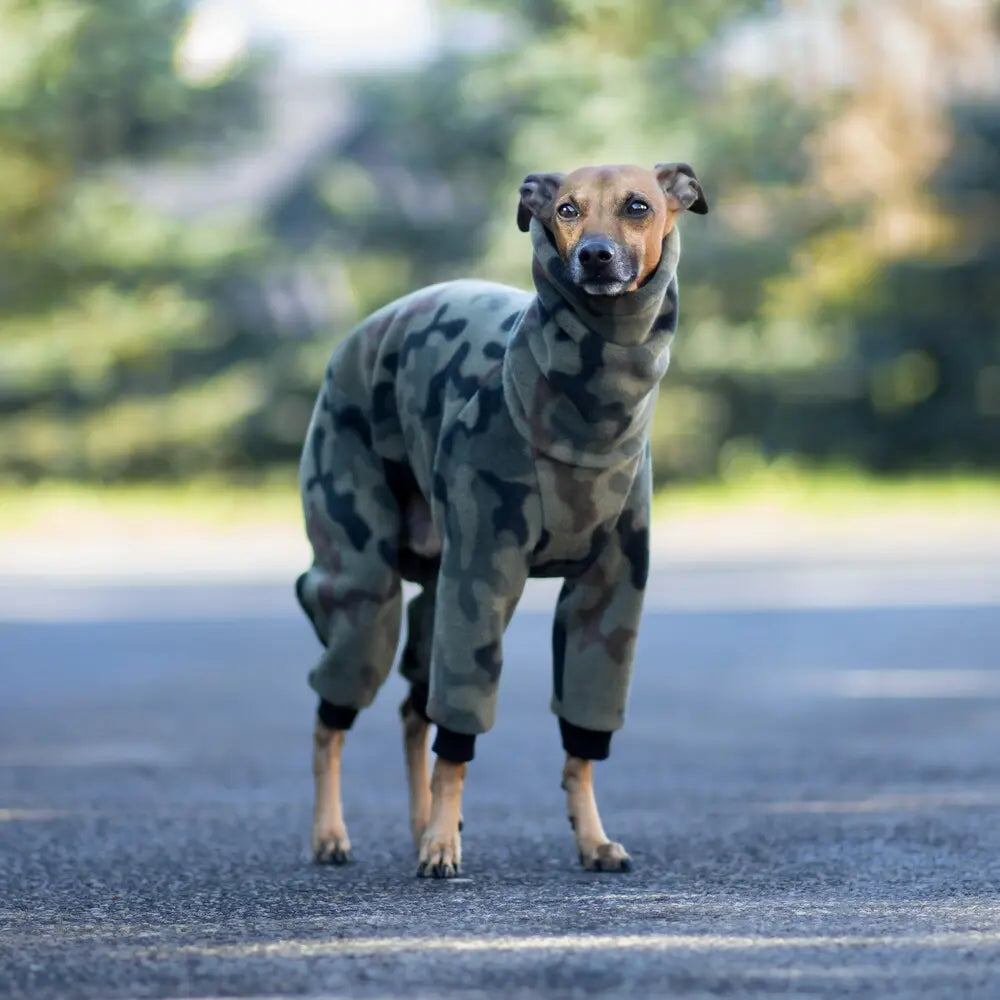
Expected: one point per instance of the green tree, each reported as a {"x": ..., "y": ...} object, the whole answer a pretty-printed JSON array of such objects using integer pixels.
[
  {"x": 927, "y": 343},
  {"x": 112, "y": 359},
  {"x": 838, "y": 303}
]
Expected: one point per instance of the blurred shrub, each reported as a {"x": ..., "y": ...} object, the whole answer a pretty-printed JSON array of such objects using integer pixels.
[
  {"x": 839, "y": 304},
  {"x": 109, "y": 319}
]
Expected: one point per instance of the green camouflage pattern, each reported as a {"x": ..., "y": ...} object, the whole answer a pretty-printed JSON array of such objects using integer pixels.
[{"x": 466, "y": 437}]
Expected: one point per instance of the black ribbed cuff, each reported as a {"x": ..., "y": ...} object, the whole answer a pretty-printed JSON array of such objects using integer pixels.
[
  {"x": 417, "y": 700},
  {"x": 459, "y": 748},
  {"x": 588, "y": 744},
  {"x": 336, "y": 716}
]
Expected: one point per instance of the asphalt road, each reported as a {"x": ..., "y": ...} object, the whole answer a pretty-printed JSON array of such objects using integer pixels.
[{"x": 811, "y": 797}]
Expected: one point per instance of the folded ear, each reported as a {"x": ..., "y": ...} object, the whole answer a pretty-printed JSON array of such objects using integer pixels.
[
  {"x": 538, "y": 192},
  {"x": 678, "y": 181}
]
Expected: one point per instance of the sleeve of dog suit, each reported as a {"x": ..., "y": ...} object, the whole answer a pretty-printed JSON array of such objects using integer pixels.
[
  {"x": 596, "y": 624},
  {"x": 490, "y": 525}
]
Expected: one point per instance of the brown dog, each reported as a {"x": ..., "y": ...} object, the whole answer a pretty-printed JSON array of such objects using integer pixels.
[
  {"x": 609, "y": 227},
  {"x": 615, "y": 216}
]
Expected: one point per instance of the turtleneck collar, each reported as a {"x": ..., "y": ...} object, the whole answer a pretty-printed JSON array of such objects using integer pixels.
[
  {"x": 620, "y": 319},
  {"x": 581, "y": 372}
]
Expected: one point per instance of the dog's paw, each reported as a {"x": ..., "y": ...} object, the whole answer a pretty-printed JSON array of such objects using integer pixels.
[
  {"x": 606, "y": 857},
  {"x": 440, "y": 856},
  {"x": 332, "y": 849}
]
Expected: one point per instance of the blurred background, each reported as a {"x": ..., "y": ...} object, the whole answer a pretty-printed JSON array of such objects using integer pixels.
[{"x": 199, "y": 197}]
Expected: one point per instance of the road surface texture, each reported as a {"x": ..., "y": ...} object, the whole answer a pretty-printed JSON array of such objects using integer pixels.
[{"x": 809, "y": 783}]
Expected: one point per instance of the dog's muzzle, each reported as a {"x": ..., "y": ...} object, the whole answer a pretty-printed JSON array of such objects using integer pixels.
[{"x": 601, "y": 267}]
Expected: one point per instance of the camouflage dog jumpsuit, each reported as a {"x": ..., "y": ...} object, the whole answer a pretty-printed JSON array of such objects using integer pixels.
[{"x": 466, "y": 437}]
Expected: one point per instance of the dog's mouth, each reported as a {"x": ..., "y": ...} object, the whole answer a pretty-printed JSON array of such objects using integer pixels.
[
  {"x": 607, "y": 270},
  {"x": 606, "y": 288}
]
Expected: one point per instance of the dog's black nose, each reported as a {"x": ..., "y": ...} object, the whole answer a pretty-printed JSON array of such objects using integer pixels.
[{"x": 595, "y": 255}]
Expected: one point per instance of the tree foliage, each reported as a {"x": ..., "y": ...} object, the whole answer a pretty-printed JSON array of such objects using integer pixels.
[
  {"x": 110, "y": 326},
  {"x": 838, "y": 304}
]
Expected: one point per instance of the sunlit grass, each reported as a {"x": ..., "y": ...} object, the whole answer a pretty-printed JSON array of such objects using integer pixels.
[
  {"x": 198, "y": 503},
  {"x": 211, "y": 503},
  {"x": 837, "y": 494}
]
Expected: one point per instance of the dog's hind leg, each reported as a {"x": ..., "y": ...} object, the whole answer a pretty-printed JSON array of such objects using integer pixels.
[
  {"x": 330, "y": 842},
  {"x": 351, "y": 593},
  {"x": 415, "y": 667},
  {"x": 416, "y": 733}
]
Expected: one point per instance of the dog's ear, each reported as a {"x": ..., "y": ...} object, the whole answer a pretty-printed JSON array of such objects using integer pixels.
[
  {"x": 678, "y": 181},
  {"x": 538, "y": 192}
]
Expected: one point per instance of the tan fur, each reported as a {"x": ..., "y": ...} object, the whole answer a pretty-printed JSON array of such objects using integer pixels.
[
  {"x": 441, "y": 843},
  {"x": 330, "y": 842},
  {"x": 597, "y": 853},
  {"x": 601, "y": 193},
  {"x": 416, "y": 731}
]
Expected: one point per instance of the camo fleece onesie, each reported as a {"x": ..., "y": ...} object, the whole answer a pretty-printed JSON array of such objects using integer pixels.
[{"x": 466, "y": 437}]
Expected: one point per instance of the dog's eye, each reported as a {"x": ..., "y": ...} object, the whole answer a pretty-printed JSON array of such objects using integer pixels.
[
  {"x": 637, "y": 207},
  {"x": 568, "y": 211}
]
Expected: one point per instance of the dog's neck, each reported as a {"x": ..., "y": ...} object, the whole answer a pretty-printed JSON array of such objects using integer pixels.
[{"x": 581, "y": 372}]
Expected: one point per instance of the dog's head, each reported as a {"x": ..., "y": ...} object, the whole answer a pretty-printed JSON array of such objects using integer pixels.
[{"x": 609, "y": 223}]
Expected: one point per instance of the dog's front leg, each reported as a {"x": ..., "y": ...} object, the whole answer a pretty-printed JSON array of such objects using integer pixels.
[
  {"x": 441, "y": 843},
  {"x": 491, "y": 524},
  {"x": 597, "y": 620},
  {"x": 597, "y": 852},
  {"x": 330, "y": 842}
]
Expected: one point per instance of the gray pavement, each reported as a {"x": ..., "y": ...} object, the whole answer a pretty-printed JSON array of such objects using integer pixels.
[{"x": 810, "y": 789}]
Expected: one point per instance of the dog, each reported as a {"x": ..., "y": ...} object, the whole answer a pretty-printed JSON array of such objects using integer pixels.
[{"x": 469, "y": 436}]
